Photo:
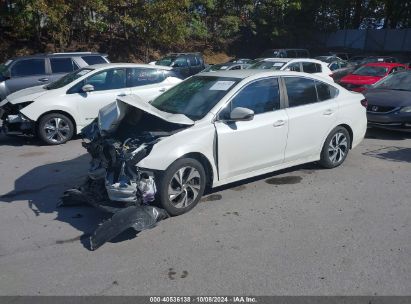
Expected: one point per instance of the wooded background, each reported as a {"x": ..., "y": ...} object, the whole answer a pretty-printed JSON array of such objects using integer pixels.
[{"x": 140, "y": 30}]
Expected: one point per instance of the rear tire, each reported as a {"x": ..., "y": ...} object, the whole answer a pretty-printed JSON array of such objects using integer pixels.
[
  {"x": 336, "y": 148},
  {"x": 55, "y": 129},
  {"x": 181, "y": 186}
]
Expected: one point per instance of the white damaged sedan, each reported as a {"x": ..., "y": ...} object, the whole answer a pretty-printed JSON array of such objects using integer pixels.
[{"x": 217, "y": 128}]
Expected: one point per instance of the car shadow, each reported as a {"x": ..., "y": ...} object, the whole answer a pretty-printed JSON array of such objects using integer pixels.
[
  {"x": 42, "y": 188},
  {"x": 392, "y": 153},
  {"x": 19, "y": 140},
  {"x": 271, "y": 178},
  {"x": 23, "y": 140},
  {"x": 384, "y": 134}
]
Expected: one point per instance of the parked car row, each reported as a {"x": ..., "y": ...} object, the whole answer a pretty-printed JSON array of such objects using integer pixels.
[{"x": 59, "y": 107}]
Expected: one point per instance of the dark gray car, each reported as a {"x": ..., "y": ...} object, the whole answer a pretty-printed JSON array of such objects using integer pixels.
[
  {"x": 29, "y": 71},
  {"x": 389, "y": 102},
  {"x": 184, "y": 64}
]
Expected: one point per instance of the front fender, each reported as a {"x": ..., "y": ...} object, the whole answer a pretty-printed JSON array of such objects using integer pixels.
[
  {"x": 192, "y": 140},
  {"x": 34, "y": 111}
]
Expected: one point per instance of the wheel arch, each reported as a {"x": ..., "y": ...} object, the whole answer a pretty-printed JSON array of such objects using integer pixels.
[
  {"x": 206, "y": 164},
  {"x": 350, "y": 132},
  {"x": 59, "y": 112}
]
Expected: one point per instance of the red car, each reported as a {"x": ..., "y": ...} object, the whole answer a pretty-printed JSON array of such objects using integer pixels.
[{"x": 369, "y": 74}]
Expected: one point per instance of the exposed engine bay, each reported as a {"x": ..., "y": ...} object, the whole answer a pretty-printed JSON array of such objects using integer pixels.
[{"x": 117, "y": 141}]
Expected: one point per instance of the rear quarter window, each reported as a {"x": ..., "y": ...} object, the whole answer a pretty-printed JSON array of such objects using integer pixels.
[
  {"x": 300, "y": 91},
  {"x": 325, "y": 91},
  {"x": 90, "y": 60},
  {"x": 62, "y": 65}
]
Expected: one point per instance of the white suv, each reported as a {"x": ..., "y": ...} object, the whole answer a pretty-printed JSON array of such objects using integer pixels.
[
  {"x": 306, "y": 65},
  {"x": 57, "y": 111}
]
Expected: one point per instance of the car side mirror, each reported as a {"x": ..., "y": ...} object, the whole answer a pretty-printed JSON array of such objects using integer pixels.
[
  {"x": 241, "y": 114},
  {"x": 287, "y": 69},
  {"x": 87, "y": 88}
]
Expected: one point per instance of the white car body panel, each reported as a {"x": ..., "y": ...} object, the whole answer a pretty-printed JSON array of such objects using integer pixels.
[
  {"x": 235, "y": 153},
  {"x": 325, "y": 70},
  {"x": 84, "y": 107}
]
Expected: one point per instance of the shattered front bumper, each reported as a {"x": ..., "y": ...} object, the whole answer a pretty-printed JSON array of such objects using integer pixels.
[
  {"x": 117, "y": 186},
  {"x": 13, "y": 122},
  {"x": 18, "y": 124}
]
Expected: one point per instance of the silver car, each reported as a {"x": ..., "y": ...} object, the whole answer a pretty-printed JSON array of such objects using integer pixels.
[{"x": 29, "y": 71}]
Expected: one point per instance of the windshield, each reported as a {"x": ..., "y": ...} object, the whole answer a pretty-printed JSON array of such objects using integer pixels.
[
  {"x": 266, "y": 65},
  {"x": 65, "y": 80},
  {"x": 366, "y": 70},
  {"x": 166, "y": 61},
  {"x": 195, "y": 97},
  {"x": 398, "y": 81}
]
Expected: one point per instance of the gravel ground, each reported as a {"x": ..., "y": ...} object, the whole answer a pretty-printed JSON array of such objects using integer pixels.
[{"x": 301, "y": 231}]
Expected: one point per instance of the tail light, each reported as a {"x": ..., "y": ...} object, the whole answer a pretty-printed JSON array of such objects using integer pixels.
[{"x": 364, "y": 103}]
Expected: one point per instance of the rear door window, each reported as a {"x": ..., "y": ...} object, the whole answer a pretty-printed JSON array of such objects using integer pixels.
[
  {"x": 300, "y": 91},
  {"x": 181, "y": 62},
  {"x": 192, "y": 60},
  {"x": 62, "y": 65},
  {"x": 90, "y": 60},
  {"x": 140, "y": 76},
  {"x": 28, "y": 67}
]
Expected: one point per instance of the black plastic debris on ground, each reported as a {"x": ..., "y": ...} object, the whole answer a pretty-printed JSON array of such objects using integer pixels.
[
  {"x": 137, "y": 217},
  {"x": 125, "y": 215}
]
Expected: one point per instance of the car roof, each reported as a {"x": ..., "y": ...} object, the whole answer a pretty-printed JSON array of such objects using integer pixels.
[
  {"x": 228, "y": 64},
  {"x": 242, "y": 74},
  {"x": 68, "y": 54},
  {"x": 182, "y": 54},
  {"x": 128, "y": 65},
  {"x": 385, "y": 64},
  {"x": 293, "y": 59}
]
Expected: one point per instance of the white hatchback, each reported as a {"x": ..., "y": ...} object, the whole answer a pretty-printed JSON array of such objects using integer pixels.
[
  {"x": 306, "y": 65},
  {"x": 57, "y": 111}
]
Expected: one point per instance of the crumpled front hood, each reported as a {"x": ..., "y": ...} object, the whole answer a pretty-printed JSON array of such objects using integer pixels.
[
  {"x": 110, "y": 116},
  {"x": 29, "y": 94}
]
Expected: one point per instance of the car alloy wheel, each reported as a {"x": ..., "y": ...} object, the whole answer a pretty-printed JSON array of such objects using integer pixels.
[
  {"x": 338, "y": 147},
  {"x": 57, "y": 130},
  {"x": 184, "y": 187}
]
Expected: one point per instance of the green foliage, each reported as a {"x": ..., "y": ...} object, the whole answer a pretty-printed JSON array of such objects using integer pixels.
[{"x": 170, "y": 23}]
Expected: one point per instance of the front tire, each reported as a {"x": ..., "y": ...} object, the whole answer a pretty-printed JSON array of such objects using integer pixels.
[
  {"x": 55, "y": 129},
  {"x": 181, "y": 186},
  {"x": 336, "y": 148}
]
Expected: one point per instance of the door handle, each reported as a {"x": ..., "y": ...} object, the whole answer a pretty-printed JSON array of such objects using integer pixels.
[
  {"x": 279, "y": 123},
  {"x": 43, "y": 79},
  {"x": 121, "y": 95},
  {"x": 162, "y": 90},
  {"x": 328, "y": 112}
]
